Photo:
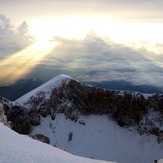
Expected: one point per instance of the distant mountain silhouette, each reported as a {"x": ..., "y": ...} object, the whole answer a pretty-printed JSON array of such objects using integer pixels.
[
  {"x": 125, "y": 85},
  {"x": 19, "y": 88}
]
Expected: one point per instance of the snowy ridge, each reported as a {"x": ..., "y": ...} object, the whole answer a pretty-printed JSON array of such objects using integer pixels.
[
  {"x": 19, "y": 148},
  {"x": 46, "y": 87},
  {"x": 63, "y": 110}
]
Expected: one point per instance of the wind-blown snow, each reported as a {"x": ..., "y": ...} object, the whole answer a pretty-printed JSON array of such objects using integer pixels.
[
  {"x": 15, "y": 148},
  {"x": 100, "y": 138},
  {"x": 46, "y": 87}
]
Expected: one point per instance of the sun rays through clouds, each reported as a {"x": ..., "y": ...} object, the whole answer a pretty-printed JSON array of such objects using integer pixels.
[{"x": 21, "y": 63}]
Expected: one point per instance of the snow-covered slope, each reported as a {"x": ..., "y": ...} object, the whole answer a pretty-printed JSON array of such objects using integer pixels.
[
  {"x": 15, "y": 148},
  {"x": 99, "y": 137},
  {"x": 63, "y": 104},
  {"x": 46, "y": 87}
]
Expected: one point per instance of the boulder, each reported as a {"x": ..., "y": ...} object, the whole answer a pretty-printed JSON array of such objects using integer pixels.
[
  {"x": 20, "y": 120},
  {"x": 160, "y": 137},
  {"x": 3, "y": 117},
  {"x": 44, "y": 112},
  {"x": 41, "y": 138},
  {"x": 35, "y": 118}
]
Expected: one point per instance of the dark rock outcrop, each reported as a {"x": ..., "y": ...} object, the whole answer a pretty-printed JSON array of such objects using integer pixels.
[
  {"x": 17, "y": 115},
  {"x": 41, "y": 138},
  {"x": 160, "y": 137},
  {"x": 35, "y": 118},
  {"x": 3, "y": 117},
  {"x": 19, "y": 119},
  {"x": 126, "y": 108},
  {"x": 73, "y": 98}
]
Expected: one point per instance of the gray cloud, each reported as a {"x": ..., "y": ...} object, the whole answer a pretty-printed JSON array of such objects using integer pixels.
[
  {"x": 96, "y": 59},
  {"x": 23, "y": 28},
  {"x": 12, "y": 38}
]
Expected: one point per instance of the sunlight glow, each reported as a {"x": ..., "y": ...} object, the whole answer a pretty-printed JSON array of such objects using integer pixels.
[
  {"x": 135, "y": 35},
  {"x": 68, "y": 28},
  {"x": 21, "y": 63},
  {"x": 124, "y": 32}
]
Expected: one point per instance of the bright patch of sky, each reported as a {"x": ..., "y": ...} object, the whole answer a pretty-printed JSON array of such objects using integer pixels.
[{"x": 123, "y": 21}]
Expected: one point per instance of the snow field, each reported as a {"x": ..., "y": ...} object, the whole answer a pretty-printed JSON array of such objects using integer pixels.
[
  {"x": 15, "y": 148},
  {"x": 100, "y": 138}
]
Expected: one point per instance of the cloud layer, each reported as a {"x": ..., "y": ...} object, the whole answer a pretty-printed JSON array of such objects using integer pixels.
[
  {"x": 91, "y": 59},
  {"x": 96, "y": 59}
]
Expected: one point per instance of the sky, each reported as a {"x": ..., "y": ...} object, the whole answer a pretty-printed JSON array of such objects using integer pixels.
[{"x": 90, "y": 40}]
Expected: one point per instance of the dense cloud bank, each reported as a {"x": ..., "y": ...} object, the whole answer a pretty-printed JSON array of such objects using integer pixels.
[{"x": 98, "y": 59}]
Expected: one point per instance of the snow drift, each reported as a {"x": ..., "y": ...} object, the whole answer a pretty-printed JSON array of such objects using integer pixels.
[{"x": 15, "y": 148}]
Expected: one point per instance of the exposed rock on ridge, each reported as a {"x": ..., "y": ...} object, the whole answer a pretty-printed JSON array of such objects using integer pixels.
[{"x": 65, "y": 95}]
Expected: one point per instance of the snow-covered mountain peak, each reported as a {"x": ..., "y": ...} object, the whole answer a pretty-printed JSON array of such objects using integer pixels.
[
  {"x": 46, "y": 87},
  {"x": 74, "y": 116}
]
